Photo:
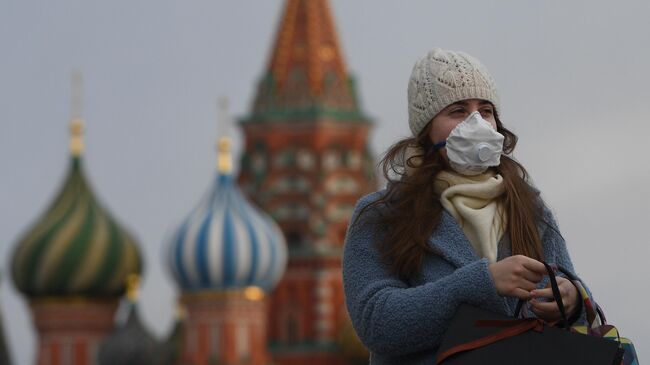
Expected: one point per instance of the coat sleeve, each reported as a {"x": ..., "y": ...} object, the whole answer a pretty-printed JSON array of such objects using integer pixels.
[
  {"x": 555, "y": 251},
  {"x": 389, "y": 316}
]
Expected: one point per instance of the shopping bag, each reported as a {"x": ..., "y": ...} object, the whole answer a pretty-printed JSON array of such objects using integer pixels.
[{"x": 477, "y": 336}]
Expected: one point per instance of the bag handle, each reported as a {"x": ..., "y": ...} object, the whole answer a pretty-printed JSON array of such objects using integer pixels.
[
  {"x": 592, "y": 308},
  {"x": 556, "y": 296}
]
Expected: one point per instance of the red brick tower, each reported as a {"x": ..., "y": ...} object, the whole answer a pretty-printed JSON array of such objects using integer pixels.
[{"x": 306, "y": 162}]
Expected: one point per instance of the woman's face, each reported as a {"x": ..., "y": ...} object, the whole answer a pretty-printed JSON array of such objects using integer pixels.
[{"x": 449, "y": 117}]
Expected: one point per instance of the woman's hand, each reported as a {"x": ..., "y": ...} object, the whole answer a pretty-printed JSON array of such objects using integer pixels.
[
  {"x": 517, "y": 276},
  {"x": 549, "y": 310}
]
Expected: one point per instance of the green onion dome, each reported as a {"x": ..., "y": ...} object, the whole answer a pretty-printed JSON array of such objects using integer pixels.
[{"x": 76, "y": 248}]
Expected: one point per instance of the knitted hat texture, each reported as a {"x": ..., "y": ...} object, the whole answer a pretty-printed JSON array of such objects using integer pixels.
[{"x": 442, "y": 78}]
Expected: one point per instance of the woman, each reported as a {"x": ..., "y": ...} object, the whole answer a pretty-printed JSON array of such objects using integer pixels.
[{"x": 457, "y": 223}]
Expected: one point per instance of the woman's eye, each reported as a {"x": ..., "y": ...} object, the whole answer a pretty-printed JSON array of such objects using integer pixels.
[
  {"x": 487, "y": 111},
  {"x": 455, "y": 111}
]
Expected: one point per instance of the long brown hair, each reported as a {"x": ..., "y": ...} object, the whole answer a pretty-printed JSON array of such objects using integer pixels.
[{"x": 410, "y": 209}]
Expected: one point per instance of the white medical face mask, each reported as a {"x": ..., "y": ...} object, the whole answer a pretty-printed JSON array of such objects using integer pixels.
[{"x": 473, "y": 146}]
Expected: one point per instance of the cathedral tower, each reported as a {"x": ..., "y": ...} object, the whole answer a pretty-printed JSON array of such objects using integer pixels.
[{"x": 307, "y": 162}]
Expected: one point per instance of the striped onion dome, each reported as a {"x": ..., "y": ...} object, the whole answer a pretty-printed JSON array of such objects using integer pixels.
[
  {"x": 227, "y": 243},
  {"x": 76, "y": 248}
]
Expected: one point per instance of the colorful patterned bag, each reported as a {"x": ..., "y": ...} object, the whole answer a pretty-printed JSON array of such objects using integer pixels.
[{"x": 597, "y": 324}]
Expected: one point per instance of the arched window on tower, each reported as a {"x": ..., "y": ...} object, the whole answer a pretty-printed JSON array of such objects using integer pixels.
[
  {"x": 243, "y": 343},
  {"x": 331, "y": 160},
  {"x": 291, "y": 212},
  {"x": 66, "y": 352},
  {"x": 342, "y": 185},
  {"x": 305, "y": 159},
  {"x": 352, "y": 159}
]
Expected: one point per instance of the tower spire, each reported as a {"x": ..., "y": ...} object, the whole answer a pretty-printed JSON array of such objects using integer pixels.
[
  {"x": 307, "y": 39},
  {"x": 76, "y": 111},
  {"x": 306, "y": 77}
]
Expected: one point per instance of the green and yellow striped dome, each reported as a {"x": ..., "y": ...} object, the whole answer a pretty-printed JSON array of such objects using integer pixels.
[{"x": 76, "y": 248}]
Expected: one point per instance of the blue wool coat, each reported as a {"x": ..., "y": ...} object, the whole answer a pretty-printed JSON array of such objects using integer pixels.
[{"x": 403, "y": 323}]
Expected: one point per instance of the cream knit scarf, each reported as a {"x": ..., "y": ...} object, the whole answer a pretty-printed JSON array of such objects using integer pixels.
[{"x": 471, "y": 200}]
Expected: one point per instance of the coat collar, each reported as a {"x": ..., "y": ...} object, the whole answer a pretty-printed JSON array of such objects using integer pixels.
[{"x": 450, "y": 242}]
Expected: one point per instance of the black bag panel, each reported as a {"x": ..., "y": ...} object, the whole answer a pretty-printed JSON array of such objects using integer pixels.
[{"x": 552, "y": 346}]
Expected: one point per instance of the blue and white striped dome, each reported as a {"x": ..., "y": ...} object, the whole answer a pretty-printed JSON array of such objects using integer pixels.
[{"x": 227, "y": 243}]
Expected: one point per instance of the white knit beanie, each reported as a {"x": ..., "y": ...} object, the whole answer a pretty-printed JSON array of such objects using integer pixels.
[{"x": 442, "y": 78}]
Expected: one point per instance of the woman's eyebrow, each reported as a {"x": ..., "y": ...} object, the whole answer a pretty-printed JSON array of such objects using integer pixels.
[{"x": 458, "y": 103}]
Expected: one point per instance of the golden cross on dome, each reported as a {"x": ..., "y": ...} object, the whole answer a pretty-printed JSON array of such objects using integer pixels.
[
  {"x": 224, "y": 155},
  {"x": 76, "y": 110}
]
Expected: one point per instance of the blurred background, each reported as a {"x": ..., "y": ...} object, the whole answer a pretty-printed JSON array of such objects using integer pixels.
[{"x": 573, "y": 78}]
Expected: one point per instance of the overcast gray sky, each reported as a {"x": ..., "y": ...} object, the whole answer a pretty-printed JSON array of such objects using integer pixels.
[{"x": 573, "y": 75}]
